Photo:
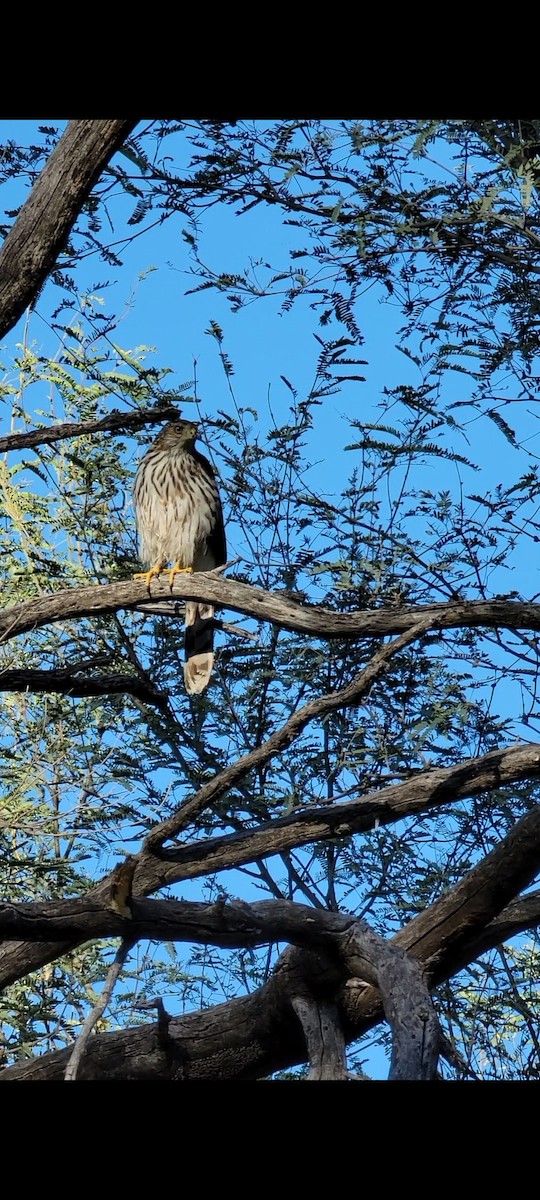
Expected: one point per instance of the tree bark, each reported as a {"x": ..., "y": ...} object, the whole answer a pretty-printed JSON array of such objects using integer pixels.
[
  {"x": 114, "y": 422},
  {"x": 358, "y": 952},
  {"x": 325, "y": 1043},
  {"x": 212, "y": 588},
  {"x": 45, "y": 221}
]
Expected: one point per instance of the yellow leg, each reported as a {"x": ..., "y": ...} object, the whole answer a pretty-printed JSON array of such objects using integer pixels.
[
  {"x": 177, "y": 570},
  {"x": 148, "y": 575}
]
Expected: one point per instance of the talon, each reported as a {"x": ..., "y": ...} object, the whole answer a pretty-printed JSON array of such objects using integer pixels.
[
  {"x": 176, "y": 570},
  {"x": 148, "y": 575}
]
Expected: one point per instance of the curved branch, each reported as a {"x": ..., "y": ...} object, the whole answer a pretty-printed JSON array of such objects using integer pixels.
[
  {"x": 423, "y": 791},
  {"x": 267, "y": 606},
  {"x": 522, "y": 913},
  {"x": 405, "y": 999},
  {"x": 463, "y": 910},
  {"x": 45, "y": 221},
  {"x": 442, "y": 934},
  {"x": 362, "y": 952}
]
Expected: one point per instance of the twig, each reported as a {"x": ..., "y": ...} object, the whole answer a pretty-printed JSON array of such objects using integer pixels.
[
  {"x": 235, "y": 630},
  {"x": 451, "y": 1053},
  {"x": 289, "y": 732},
  {"x": 163, "y": 1017},
  {"x": 231, "y": 562},
  {"x": 97, "y": 1011}
]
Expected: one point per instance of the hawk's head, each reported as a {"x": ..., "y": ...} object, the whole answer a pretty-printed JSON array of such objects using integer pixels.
[{"x": 177, "y": 435}]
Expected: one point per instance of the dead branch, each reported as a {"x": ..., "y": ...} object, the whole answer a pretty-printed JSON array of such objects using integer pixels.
[
  {"x": 440, "y": 786},
  {"x": 424, "y": 791},
  {"x": 230, "y": 925},
  {"x": 363, "y": 953},
  {"x": 254, "y": 1036},
  {"x": 175, "y": 608},
  {"x": 405, "y": 998},
  {"x": 289, "y": 732},
  {"x": 172, "y": 608}
]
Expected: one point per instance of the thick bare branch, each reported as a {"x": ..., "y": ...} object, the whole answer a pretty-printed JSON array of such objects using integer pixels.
[
  {"x": 405, "y": 998},
  {"x": 424, "y": 791},
  {"x": 325, "y": 1042},
  {"x": 253, "y": 1036},
  {"x": 243, "y": 1039},
  {"x": 364, "y": 954},
  {"x": 522, "y": 913},
  {"x": 482, "y": 893},
  {"x": 66, "y": 684},
  {"x": 267, "y": 606},
  {"x": 44, "y": 223},
  {"x": 460, "y": 924},
  {"x": 229, "y": 926},
  {"x": 114, "y": 422},
  {"x": 430, "y": 788}
]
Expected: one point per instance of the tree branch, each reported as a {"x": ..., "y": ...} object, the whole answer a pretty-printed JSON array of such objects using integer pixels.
[
  {"x": 522, "y": 913},
  {"x": 416, "y": 1035},
  {"x": 325, "y": 1043},
  {"x": 254, "y": 1036},
  {"x": 262, "y": 605},
  {"x": 114, "y": 422},
  {"x": 230, "y": 925},
  {"x": 45, "y": 221},
  {"x": 424, "y": 791},
  {"x": 63, "y": 682},
  {"x": 482, "y": 893},
  {"x": 364, "y": 954},
  {"x": 441, "y": 786}
]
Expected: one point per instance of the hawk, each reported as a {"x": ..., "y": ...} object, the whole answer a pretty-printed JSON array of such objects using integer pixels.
[{"x": 180, "y": 521}]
